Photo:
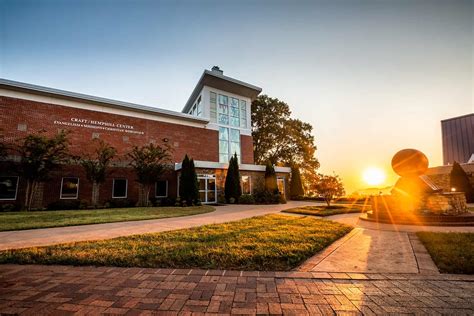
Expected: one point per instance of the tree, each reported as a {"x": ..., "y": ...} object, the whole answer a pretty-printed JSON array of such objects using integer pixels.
[
  {"x": 150, "y": 163},
  {"x": 460, "y": 182},
  {"x": 232, "y": 188},
  {"x": 329, "y": 187},
  {"x": 282, "y": 140},
  {"x": 296, "y": 187},
  {"x": 40, "y": 155},
  {"x": 188, "y": 183},
  {"x": 96, "y": 167},
  {"x": 271, "y": 184}
]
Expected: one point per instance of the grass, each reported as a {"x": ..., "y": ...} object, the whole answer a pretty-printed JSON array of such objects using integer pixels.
[
  {"x": 32, "y": 220},
  {"x": 323, "y": 210},
  {"x": 451, "y": 252},
  {"x": 271, "y": 242}
]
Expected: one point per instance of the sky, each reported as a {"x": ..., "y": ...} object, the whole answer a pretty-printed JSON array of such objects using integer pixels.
[{"x": 372, "y": 77}]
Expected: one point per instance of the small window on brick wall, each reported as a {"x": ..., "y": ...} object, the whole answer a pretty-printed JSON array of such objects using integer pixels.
[
  {"x": 119, "y": 188},
  {"x": 69, "y": 188},
  {"x": 95, "y": 135},
  {"x": 8, "y": 188}
]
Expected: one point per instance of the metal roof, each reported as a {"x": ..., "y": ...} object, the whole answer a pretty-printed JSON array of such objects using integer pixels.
[
  {"x": 21, "y": 86},
  {"x": 217, "y": 80}
]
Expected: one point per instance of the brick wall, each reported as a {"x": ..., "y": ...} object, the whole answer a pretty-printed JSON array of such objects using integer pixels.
[{"x": 19, "y": 118}]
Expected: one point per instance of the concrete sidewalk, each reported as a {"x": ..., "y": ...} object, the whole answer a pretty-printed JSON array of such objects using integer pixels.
[
  {"x": 376, "y": 248},
  {"x": 49, "y": 236}
]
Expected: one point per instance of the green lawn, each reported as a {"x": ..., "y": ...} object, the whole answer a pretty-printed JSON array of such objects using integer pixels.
[
  {"x": 452, "y": 252},
  {"x": 30, "y": 220},
  {"x": 271, "y": 242},
  {"x": 323, "y": 210}
]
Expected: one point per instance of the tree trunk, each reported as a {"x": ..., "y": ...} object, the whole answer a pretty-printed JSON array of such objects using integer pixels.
[
  {"x": 144, "y": 195},
  {"x": 95, "y": 194},
  {"x": 27, "y": 194},
  {"x": 328, "y": 201}
]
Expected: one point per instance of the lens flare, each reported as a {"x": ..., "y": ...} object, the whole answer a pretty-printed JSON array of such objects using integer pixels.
[{"x": 374, "y": 176}]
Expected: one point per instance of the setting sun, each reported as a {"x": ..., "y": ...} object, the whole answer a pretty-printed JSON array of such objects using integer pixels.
[{"x": 374, "y": 176}]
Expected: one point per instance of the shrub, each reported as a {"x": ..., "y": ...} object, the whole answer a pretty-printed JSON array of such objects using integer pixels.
[
  {"x": 9, "y": 207},
  {"x": 233, "y": 190},
  {"x": 296, "y": 186},
  {"x": 188, "y": 184},
  {"x": 247, "y": 199},
  {"x": 121, "y": 203},
  {"x": 64, "y": 205},
  {"x": 266, "y": 197}
]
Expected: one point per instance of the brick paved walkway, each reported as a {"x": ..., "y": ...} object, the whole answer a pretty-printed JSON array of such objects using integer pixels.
[{"x": 40, "y": 290}]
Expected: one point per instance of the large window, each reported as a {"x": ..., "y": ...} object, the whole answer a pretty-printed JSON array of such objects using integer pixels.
[
  {"x": 246, "y": 185},
  {"x": 119, "y": 189},
  {"x": 69, "y": 188},
  {"x": 161, "y": 189},
  {"x": 229, "y": 143},
  {"x": 213, "y": 107},
  {"x": 196, "y": 109},
  {"x": 8, "y": 188},
  {"x": 234, "y": 112},
  {"x": 228, "y": 110},
  {"x": 223, "y": 110},
  {"x": 243, "y": 114}
]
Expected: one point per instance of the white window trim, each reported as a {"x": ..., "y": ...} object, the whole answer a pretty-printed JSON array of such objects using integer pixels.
[
  {"x": 164, "y": 196},
  {"x": 250, "y": 184},
  {"x": 16, "y": 189},
  {"x": 77, "y": 191},
  {"x": 126, "y": 189},
  {"x": 207, "y": 177}
]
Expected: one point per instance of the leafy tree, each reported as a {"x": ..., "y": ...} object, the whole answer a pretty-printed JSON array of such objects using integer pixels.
[
  {"x": 96, "y": 167},
  {"x": 460, "y": 182},
  {"x": 150, "y": 163},
  {"x": 296, "y": 187},
  {"x": 329, "y": 187},
  {"x": 282, "y": 140},
  {"x": 271, "y": 184},
  {"x": 188, "y": 183},
  {"x": 40, "y": 155},
  {"x": 232, "y": 188}
]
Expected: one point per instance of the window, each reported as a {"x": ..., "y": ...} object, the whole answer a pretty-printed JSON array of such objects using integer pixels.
[
  {"x": 161, "y": 188},
  {"x": 213, "y": 108},
  {"x": 199, "y": 107},
  {"x": 243, "y": 114},
  {"x": 119, "y": 188},
  {"x": 223, "y": 109},
  {"x": 246, "y": 185},
  {"x": 8, "y": 188},
  {"x": 234, "y": 112},
  {"x": 69, "y": 188},
  {"x": 229, "y": 143}
]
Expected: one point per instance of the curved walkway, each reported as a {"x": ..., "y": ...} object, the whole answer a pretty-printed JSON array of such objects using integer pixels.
[{"x": 50, "y": 236}]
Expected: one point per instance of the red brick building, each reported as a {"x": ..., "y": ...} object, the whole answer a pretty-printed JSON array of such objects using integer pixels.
[{"x": 214, "y": 124}]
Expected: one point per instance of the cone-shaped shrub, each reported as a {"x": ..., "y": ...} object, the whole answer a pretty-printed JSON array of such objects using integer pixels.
[
  {"x": 232, "y": 181},
  {"x": 296, "y": 186},
  {"x": 188, "y": 185}
]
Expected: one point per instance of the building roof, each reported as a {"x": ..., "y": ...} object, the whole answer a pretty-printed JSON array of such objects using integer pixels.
[
  {"x": 458, "y": 117},
  {"x": 216, "y": 79},
  {"x": 26, "y": 87}
]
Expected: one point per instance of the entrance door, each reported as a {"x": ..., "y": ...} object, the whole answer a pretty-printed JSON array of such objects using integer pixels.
[
  {"x": 281, "y": 186},
  {"x": 207, "y": 188}
]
